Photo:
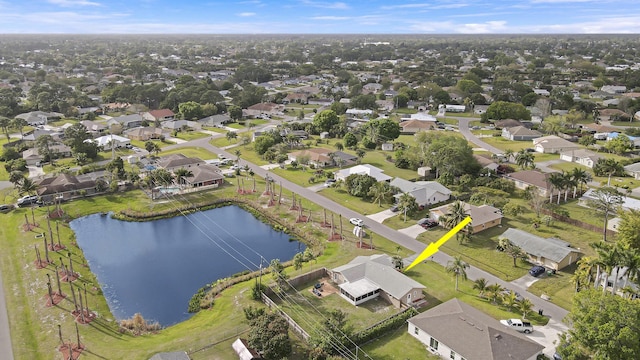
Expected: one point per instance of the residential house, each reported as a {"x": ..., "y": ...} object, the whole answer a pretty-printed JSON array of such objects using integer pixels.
[
  {"x": 174, "y": 355},
  {"x": 620, "y": 278},
  {"x": 635, "y": 140},
  {"x": 58, "y": 150},
  {"x": 371, "y": 88},
  {"x": 95, "y": 129},
  {"x": 628, "y": 203},
  {"x": 599, "y": 128},
  {"x": 126, "y": 121},
  {"x": 420, "y": 116},
  {"x": 37, "y": 133},
  {"x": 415, "y": 126},
  {"x": 299, "y": 98},
  {"x": 177, "y": 161},
  {"x": 321, "y": 102},
  {"x": 455, "y": 108},
  {"x": 343, "y": 159},
  {"x": 215, "y": 120},
  {"x": 34, "y": 118},
  {"x": 520, "y": 133},
  {"x": 551, "y": 253},
  {"x": 486, "y": 163},
  {"x": 368, "y": 277},
  {"x": 425, "y": 192},
  {"x": 318, "y": 157},
  {"x": 107, "y": 142},
  {"x": 482, "y": 217},
  {"x": 264, "y": 130},
  {"x": 365, "y": 169},
  {"x": 159, "y": 115},
  {"x": 541, "y": 92},
  {"x": 244, "y": 352},
  {"x": 553, "y": 145},
  {"x": 539, "y": 180},
  {"x": 456, "y": 330},
  {"x": 91, "y": 109},
  {"x": 203, "y": 175},
  {"x": 387, "y": 147},
  {"x": 263, "y": 109},
  {"x": 65, "y": 186},
  {"x": 507, "y": 123},
  {"x": 144, "y": 133},
  {"x": 614, "y": 89},
  {"x": 633, "y": 170},
  {"x": 181, "y": 124},
  {"x": 581, "y": 156},
  {"x": 480, "y": 109},
  {"x": 359, "y": 113}
]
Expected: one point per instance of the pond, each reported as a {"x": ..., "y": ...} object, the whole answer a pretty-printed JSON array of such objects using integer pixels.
[{"x": 154, "y": 267}]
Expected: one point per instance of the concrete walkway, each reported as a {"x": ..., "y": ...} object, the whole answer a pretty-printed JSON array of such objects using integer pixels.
[
  {"x": 6, "y": 351},
  {"x": 381, "y": 216},
  {"x": 413, "y": 231}
]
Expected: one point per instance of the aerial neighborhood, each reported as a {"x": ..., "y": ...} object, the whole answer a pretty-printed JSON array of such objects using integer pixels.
[{"x": 364, "y": 153}]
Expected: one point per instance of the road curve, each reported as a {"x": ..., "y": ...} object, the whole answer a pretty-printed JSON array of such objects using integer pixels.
[{"x": 463, "y": 126}]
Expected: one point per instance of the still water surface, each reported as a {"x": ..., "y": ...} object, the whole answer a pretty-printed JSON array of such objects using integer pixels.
[{"x": 155, "y": 267}]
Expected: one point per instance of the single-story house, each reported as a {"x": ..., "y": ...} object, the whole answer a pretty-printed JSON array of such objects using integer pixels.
[
  {"x": 344, "y": 159},
  {"x": 203, "y": 175},
  {"x": 317, "y": 156},
  {"x": 321, "y": 102},
  {"x": 93, "y": 127},
  {"x": 159, "y": 115},
  {"x": 620, "y": 282},
  {"x": 35, "y": 134},
  {"x": 614, "y": 89},
  {"x": 456, "y": 330},
  {"x": 181, "y": 124},
  {"x": 244, "y": 352},
  {"x": 298, "y": 97},
  {"x": 425, "y": 192},
  {"x": 480, "y": 109},
  {"x": 541, "y": 92},
  {"x": 177, "y": 161},
  {"x": 581, "y": 156},
  {"x": 486, "y": 162},
  {"x": 520, "y": 133},
  {"x": 633, "y": 170},
  {"x": 126, "y": 121},
  {"x": 59, "y": 150},
  {"x": 482, "y": 217},
  {"x": 455, "y": 108},
  {"x": 539, "y": 180},
  {"x": 39, "y": 117},
  {"x": 553, "y": 144},
  {"x": 552, "y": 253},
  {"x": 628, "y": 203},
  {"x": 263, "y": 109},
  {"x": 108, "y": 141},
  {"x": 599, "y": 128},
  {"x": 368, "y": 277},
  {"x": 507, "y": 123},
  {"x": 414, "y": 126},
  {"x": 144, "y": 133},
  {"x": 264, "y": 130},
  {"x": 387, "y": 147},
  {"x": 420, "y": 116},
  {"x": 215, "y": 120},
  {"x": 362, "y": 169},
  {"x": 65, "y": 185}
]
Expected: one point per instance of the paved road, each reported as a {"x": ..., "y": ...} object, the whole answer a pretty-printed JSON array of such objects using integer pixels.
[
  {"x": 6, "y": 351},
  {"x": 463, "y": 127}
]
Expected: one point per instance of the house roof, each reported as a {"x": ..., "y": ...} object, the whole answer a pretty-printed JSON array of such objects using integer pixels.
[
  {"x": 364, "y": 169},
  {"x": 161, "y": 113},
  {"x": 627, "y": 202},
  {"x": 244, "y": 352},
  {"x": 485, "y": 162},
  {"x": 552, "y": 141},
  {"x": 125, "y": 119},
  {"x": 479, "y": 214},
  {"x": 474, "y": 334},
  {"x": 379, "y": 270},
  {"x": 315, "y": 154},
  {"x": 635, "y": 167},
  {"x": 105, "y": 140},
  {"x": 142, "y": 130},
  {"x": 581, "y": 154},
  {"x": 602, "y": 128},
  {"x": 522, "y": 131},
  {"x": 215, "y": 119},
  {"x": 175, "y": 355},
  {"x": 203, "y": 173},
  {"x": 420, "y": 124},
  {"x": 92, "y": 126},
  {"x": 506, "y": 123},
  {"x": 178, "y": 160},
  {"x": 549, "y": 248},
  {"x": 63, "y": 183},
  {"x": 420, "y": 190},
  {"x": 532, "y": 177}
]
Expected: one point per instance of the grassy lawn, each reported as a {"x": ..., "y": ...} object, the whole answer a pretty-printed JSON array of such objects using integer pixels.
[
  {"x": 214, "y": 129},
  {"x": 343, "y": 198},
  {"x": 557, "y": 286},
  {"x": 223, "y": 141},
  {"x": 504, "y": 144},
  {"x": 397, "y": 344},
  {"x": 191, "y": 135},
  {"x": 626, "y": 123},
  {"x": 236, "y": 126},
  {"x": 62, "y": 122},
  {"x": 299, "y": 175},
  {"x": 198, "y": 152}
]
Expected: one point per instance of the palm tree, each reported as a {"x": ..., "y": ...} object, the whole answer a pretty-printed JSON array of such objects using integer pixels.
[
  {"x": 237, "y": 153},
  {"x": 456, "y": 213},
  {"x": 524, "y": 159},
  {"x": 608, "y": 166},
  {"x": 580, "y": 177},
  {"x": 380, "y": 192},
  {"x": 582, "y": 276},
  {"x": 360, "y": 153},
  {"x": 631, "y": 261},
  {"x": 181, "y": 174},
  {"x": 606, "y": 200},
  {"x": 457, "y": 267},
  {"x": 567, "y": 183},
  {"x": 231, "y": 135},
  {"x": 407, "y": 204},
  {"x": 481, "y": 286},
  {"x": 512, "y": 250},
  {"x": 525, "y": 307},
  {"x": 510, "y": 299},
  {"x": 27, "y": 186},
  {"x": 5, "y": 123},
  {"x": 556, "y": 180},
  {"x": 493, "y": 292},
  {"x": 508, "y": 154}
]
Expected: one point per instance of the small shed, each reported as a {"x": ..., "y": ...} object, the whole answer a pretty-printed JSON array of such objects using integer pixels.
[
  {"x": 244, "y": 352},
  {"x": 424, "y": 170},
  {"x": 324, "y": 135},
  {"x": 387, "y": 147}
]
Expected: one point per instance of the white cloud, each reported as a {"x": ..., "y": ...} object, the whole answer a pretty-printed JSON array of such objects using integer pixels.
[
  {"x": 430, "y": 6},
  {"x": 246, "y": 14},
  {"x": 326, "y": 5},
  {"x": 73, "y": 3},
  {"x": 331, "y": 18}
]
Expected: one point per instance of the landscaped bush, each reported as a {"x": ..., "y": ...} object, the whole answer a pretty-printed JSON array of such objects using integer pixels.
[{"x": 384, "y": 326}]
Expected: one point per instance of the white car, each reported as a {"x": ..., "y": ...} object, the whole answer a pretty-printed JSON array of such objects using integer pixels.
[
  {"x": 357, "y": 222},
  {"x": 519, "y": 325}
]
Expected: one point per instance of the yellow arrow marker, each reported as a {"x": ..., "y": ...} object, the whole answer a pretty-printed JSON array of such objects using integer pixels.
[{"x": 434, "y": 247}]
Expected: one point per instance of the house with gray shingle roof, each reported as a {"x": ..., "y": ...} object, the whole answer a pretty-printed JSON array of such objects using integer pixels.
[
  {"x": 581, "y": 156},
  {"x": 368, "y": 277},
  {"x": 425, "y": 192},
  {"x": 482, "y": 217},
  {"x": 457, "y": 330},
  {"x": 633, "y": 170},
  {"x": 552, "y": 253},
  {"x": 520, "y": 133}
]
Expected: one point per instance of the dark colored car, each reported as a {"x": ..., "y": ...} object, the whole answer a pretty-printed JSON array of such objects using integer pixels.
[
  {"x": 395, "y": 208},
  {"x": 427, "y": 223},
  {"x": 537, "y": 271}
]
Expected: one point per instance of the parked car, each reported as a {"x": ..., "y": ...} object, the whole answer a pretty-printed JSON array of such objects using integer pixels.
[
  {"x": 519, "y": 325},
  {"x": 537, "y": 271},
  {"x": 395, "y": 208},
  {"x": 357, "y": 222},
  {"x": 5, "y": 208},
  {"x": 27, "y": 200},
  {"x": 329, "y": 182},
  {"x": 427, "y": 223}
]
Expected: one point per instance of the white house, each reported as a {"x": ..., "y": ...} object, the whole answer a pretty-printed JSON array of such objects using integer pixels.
[
  {"x": 581, "y": 156},
  {"x": 365, "y": 169},
  {"x": 421, "y": 116},
  {"x": 553, "y": 144},
  {"x": 425, "y": 192},
  {"x": 368, "y": 277},
  {"x": 455, "y": 108},
  {"x": 458, "y": 331},
  {"x": 628, "y": 203},
  {"x": 109, "y": 141}
]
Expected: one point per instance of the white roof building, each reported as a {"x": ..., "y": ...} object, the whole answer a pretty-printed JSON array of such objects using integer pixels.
[{"x": 365, "y": 169}]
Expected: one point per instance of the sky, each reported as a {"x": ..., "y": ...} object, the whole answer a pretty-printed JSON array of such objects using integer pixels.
[{"x": 320, "y": 17}]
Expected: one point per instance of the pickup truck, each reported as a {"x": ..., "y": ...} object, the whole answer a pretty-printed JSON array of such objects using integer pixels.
[{"x": 519, "y": 325}]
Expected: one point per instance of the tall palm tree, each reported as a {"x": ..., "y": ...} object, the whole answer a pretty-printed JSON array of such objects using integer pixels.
[
  {"x": 458, "y": 268},
  {"x": 27, "y": 186},
  {"x": 508, "y": 154},
  {"x": 237, "y": 153},
  {"x": 567, "y": 183},
  {"x": 606, "y": 200},
  {"x": 380, "y": 192},
  {"x": 524, "y": 159},
  {"x": 556, "y": 180},
  {"x": 493, "y": 292},
  {"x": 608, "y": 166},
  {"x": 456, "y": 213},
  {"x": 581, "y": 177},
  {"x": 582, "y": 276},
  {"x": 631, "y": 262},
  {"x": 181, "y": 174},
  {"x": 481, "y": 286},
  {"x": 525, "y": 307},
  {"x": 407, "y": 204},
  {"x": 512, "y": 250}
]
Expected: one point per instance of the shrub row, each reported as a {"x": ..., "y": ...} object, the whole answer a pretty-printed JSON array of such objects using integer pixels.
[{"x": 384, "y": 326}]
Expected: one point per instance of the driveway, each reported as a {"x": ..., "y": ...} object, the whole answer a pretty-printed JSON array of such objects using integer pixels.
[
  {"x": 548, "y": 335},
  {"x": 176, "y": 140},
  {"x": 381, "y": 216},
  {"x": 35, "y": 172},
  {"x": 316, "y": 187},
  {"x": 525, "y": 281},
  {"x": 544, "y": 165},
  {"x": 413, "y": 231}
]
